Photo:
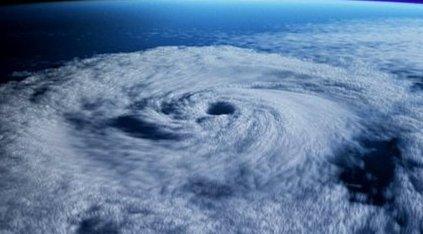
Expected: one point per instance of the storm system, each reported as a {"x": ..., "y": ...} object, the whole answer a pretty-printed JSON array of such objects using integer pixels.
[{"x": 318, "y": 130}]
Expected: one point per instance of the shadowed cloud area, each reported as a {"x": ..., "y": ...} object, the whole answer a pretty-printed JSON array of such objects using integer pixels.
[
  {"x": 372, "y": 172},
  {"x": 221, "y": 108},
  {"x": 140, "y": 128}
]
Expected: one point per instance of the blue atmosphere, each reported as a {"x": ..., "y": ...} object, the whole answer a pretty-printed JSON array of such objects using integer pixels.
[{"x": 42, "y": 35}]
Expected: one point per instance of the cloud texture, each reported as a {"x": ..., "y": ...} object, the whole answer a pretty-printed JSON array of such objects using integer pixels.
[{"x": 203, "y": 139}]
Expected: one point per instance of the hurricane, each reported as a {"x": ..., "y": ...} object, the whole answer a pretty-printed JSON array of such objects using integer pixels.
[{"x": 214, "y": 138}]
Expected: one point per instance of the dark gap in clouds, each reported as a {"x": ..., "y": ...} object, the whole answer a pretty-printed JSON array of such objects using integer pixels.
[
  {"x": 414, "y": 75},
  {"x": 79, "y": 121},
  {"x": 210, "y": 189},
  {"x": 369, "y": 171},
  {"x": 142, "y": 129},
  {"x": 97, "y": 225},
  {"x": 417, "y": 87},
  {"x": 38, "y": 94},
  {"x": 221, "y": 108}
]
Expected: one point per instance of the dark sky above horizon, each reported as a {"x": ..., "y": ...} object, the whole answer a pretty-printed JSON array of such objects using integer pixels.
[
  {"x": 12, "y": 2},
  {"x": 41, "y": 36}
]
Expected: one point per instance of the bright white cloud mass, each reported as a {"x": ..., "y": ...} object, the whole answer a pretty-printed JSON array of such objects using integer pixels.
[{"x": 206, "y": 139}]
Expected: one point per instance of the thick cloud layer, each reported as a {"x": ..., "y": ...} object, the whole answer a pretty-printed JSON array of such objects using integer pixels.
[
  {"x": 393, "y": 45},
  {"x": 203, "y": 139}
]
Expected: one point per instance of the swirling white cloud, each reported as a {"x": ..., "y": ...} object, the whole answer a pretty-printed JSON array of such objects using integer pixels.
[{"x": 203, "y": 139}]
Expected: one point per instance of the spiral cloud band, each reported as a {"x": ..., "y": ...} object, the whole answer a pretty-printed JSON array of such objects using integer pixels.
[{"x": 203, "y": 139}]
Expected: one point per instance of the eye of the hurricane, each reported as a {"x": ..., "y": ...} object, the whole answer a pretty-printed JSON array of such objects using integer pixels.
[{"x": 221, "y": 108}]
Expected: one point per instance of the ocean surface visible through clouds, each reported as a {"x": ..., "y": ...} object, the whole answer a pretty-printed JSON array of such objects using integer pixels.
[{"x": 211, "y": 117}]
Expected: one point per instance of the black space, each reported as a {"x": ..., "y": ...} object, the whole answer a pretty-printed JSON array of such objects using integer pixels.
[{"x": 16, "y": 2}]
